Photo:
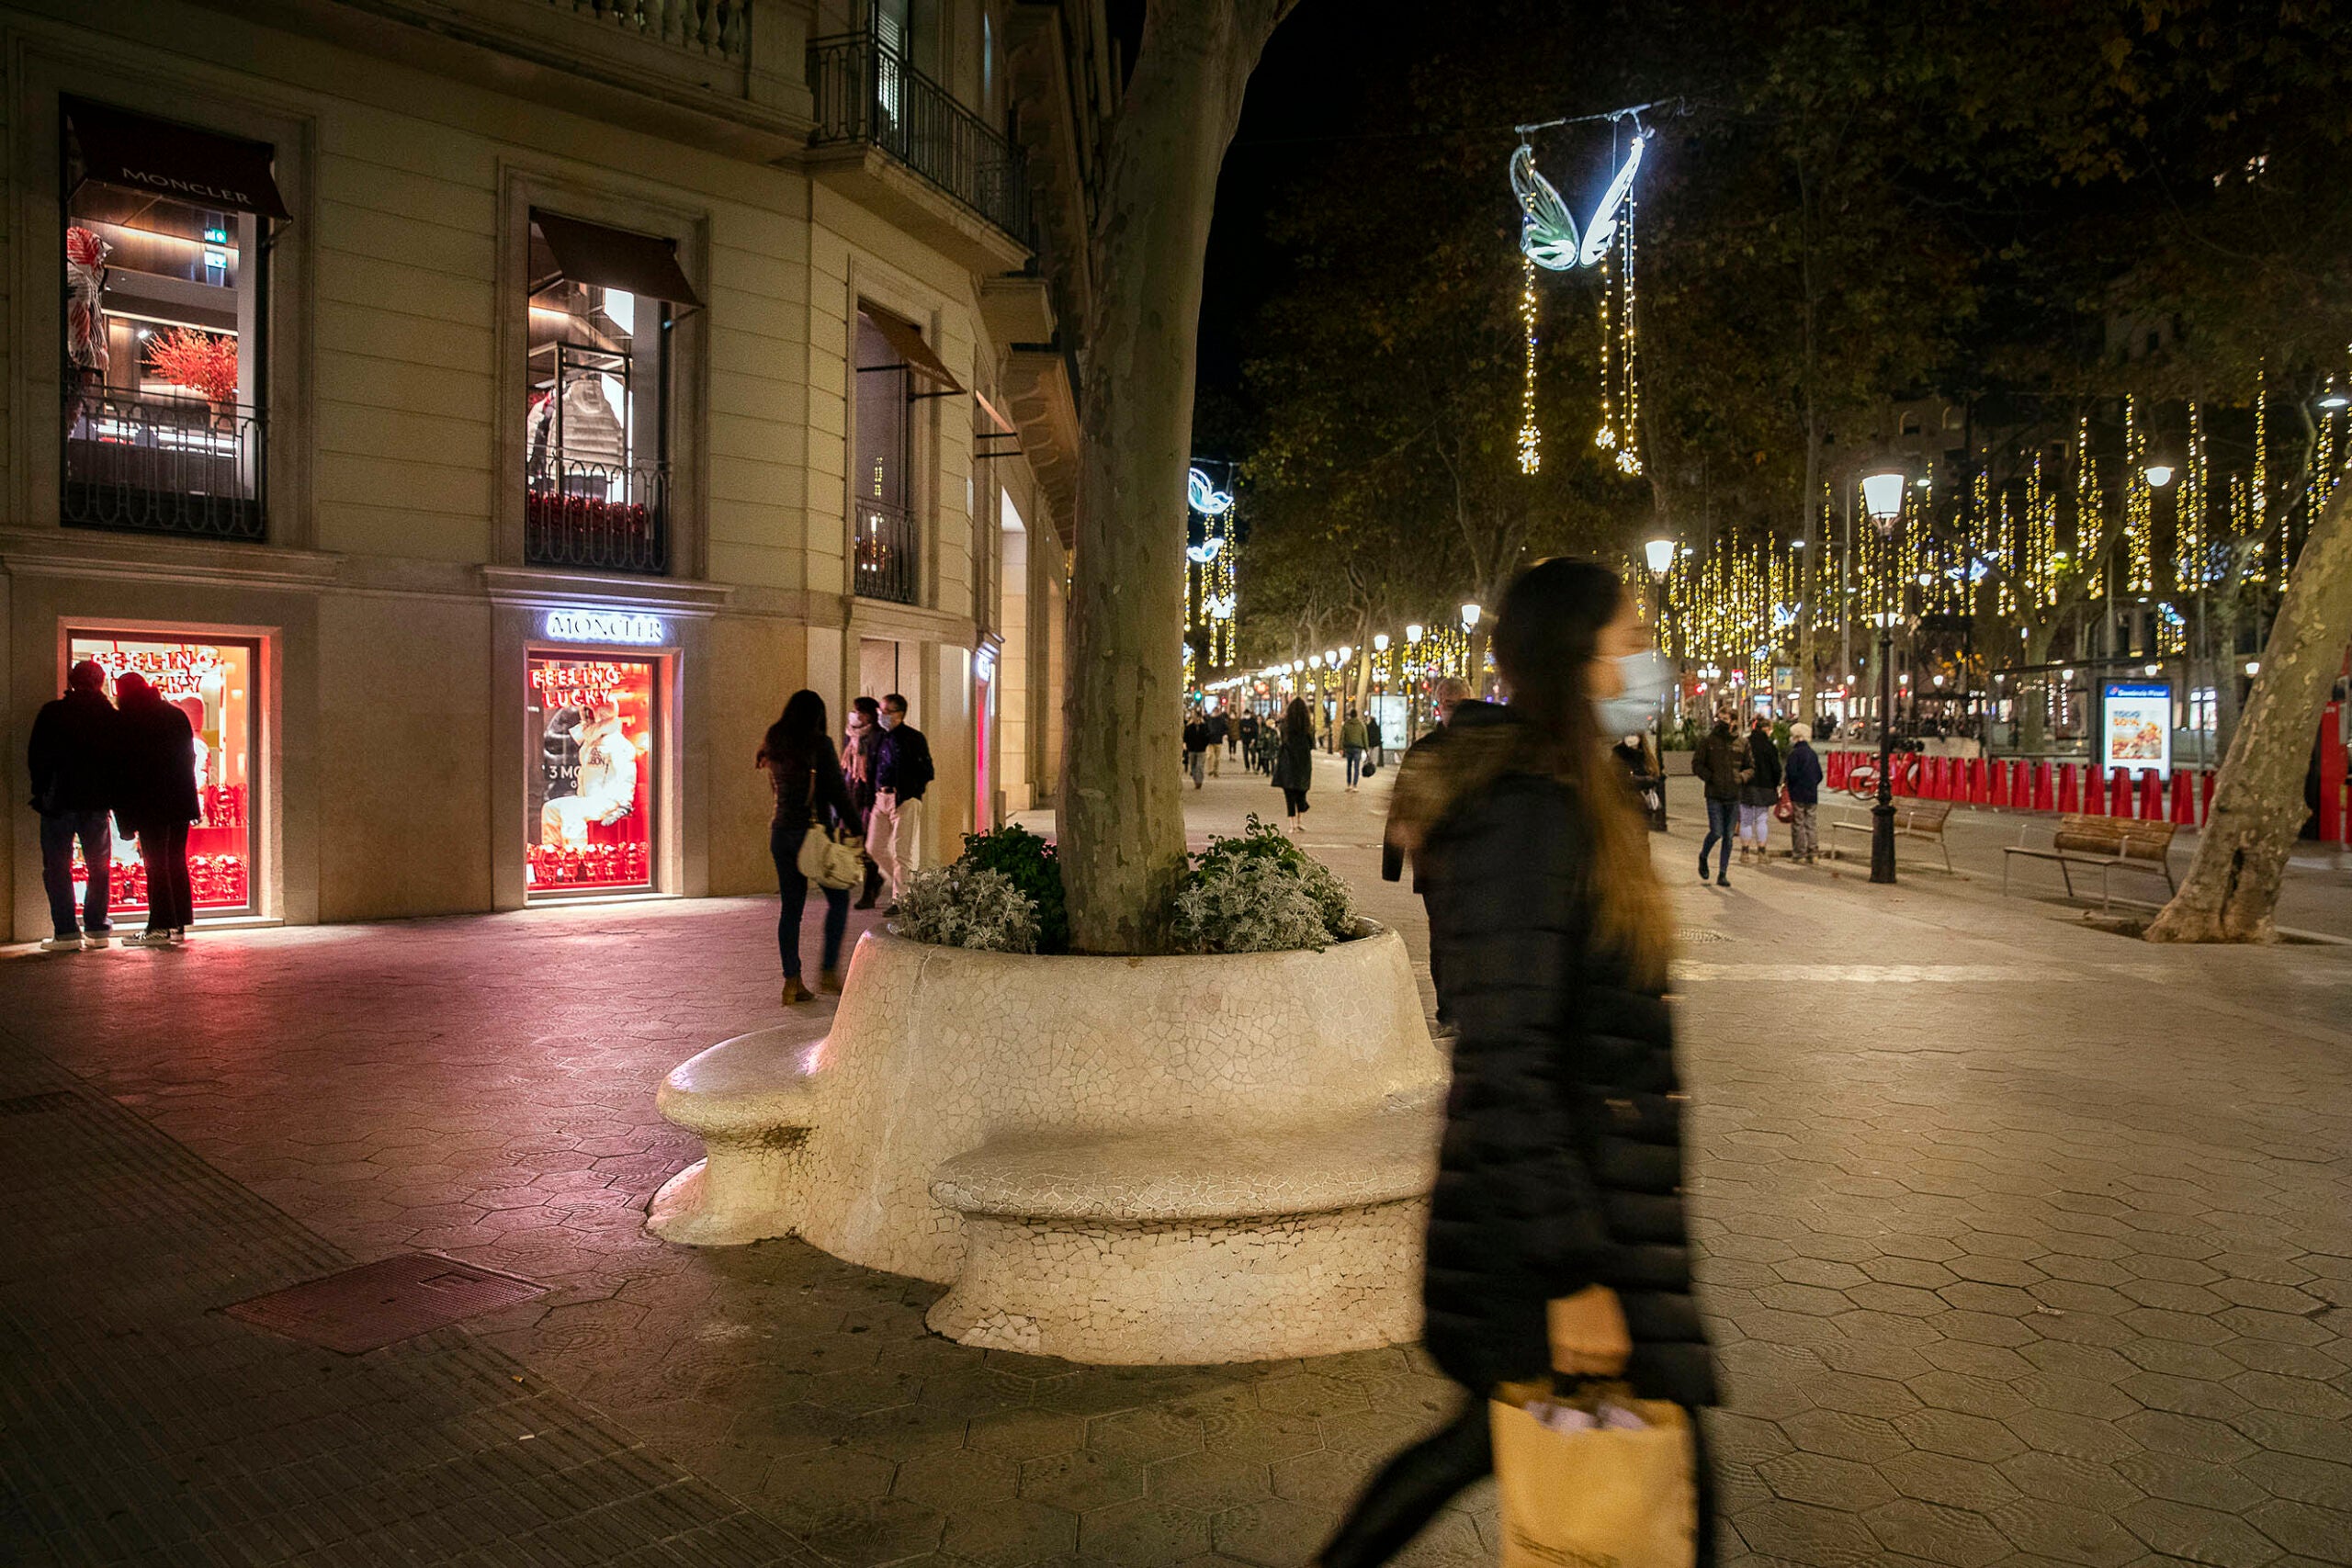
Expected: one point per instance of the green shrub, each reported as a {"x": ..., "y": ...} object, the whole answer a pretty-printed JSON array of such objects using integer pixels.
[
  {"x": 960, "y": 907},
  {"x": 1028, "y": 862},
  {"x": 1260, "y": 892}
]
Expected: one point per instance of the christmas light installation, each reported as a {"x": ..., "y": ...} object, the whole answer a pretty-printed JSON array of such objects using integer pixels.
[
  {"x": 1211, "y": 599},
  {"x": 1206, "y": 498},
  {"x": 1549, "y": 238}
]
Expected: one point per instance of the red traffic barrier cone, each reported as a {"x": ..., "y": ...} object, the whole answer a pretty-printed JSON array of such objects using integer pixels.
[
  {"x": 1980, "y": 779},
  {"x": 1996, "y": 783},
  {"x": 2152, "y": 796},
  {"x": 2045, "y": 795},
  {"x": 2120, "y": 795},
  {"x": 2070, "y": 799},
  {"x": 2184, "y": 800},
  {"x": 2205, "y": 796}
]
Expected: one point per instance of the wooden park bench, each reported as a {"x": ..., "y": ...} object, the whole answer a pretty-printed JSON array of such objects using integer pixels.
[
  {"x": 2108, "y": 843},
  {"x": 1921, "y": 819}
]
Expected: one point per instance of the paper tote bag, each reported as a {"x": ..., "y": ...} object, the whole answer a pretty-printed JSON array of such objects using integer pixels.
[{"x": 1597, "y": 1499}]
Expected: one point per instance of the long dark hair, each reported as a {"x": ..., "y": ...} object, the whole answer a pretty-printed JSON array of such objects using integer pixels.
[
  {"x": 1547, "y": 638},
  {"x": 1295, "y": 719},
  {"x": 800, "y": 731}
]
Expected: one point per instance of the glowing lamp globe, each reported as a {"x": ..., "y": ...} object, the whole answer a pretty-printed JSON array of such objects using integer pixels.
[
  {"x": 1413, "y": 632},
  {"x": 1659, "y": 553},
  {"x": 1470, "y": 614},
  {"x": 2157, "y": 474},
  {"x": 1380, "y": 642},
  {"x": 1883, "y": 496}
]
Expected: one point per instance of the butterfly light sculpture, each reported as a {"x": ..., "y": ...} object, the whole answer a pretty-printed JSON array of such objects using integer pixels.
[
  {"x": 1206, "y": 498},
  {"x": 1547, "y": 234}
]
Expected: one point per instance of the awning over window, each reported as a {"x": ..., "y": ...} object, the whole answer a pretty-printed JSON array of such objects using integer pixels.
[
  {"x": 907, "y": 343},
  {"x": 616, "y": 258},
  {"x": 120, "y": 148}
]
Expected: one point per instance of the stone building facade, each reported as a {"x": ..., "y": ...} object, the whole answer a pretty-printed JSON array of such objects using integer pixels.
[{"x": 480, "y": 415}]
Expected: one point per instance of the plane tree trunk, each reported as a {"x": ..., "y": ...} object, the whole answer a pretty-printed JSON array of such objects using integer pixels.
[
  {"x": 1122, "y": 820},
  {"x": 2232, "y": 891}
]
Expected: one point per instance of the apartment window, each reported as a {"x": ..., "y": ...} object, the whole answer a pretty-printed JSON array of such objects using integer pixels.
[
  {"x": 166, "y": 233},
  {"x": 895, "y": 370},
  {"x": 596, "y": 466}
]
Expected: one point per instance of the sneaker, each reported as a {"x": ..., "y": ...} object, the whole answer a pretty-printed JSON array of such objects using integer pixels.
[
  {"x": 97, "y": 938},
  {"x": 63, "y": 943},
  {"x": 149, "y": 938}
]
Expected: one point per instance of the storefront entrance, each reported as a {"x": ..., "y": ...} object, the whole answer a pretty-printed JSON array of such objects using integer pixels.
[
  {"x": 592, "y": 724},
  {"x": 212, "y": 682}
]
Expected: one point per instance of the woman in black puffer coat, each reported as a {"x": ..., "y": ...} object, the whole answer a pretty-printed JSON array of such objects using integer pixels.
[{"x": 1562, "y": 1161}]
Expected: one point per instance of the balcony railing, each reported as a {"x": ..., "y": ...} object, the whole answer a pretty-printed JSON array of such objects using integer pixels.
[
  {"x": 143, "y": 463},
  {"x": 866, "y": 92},
  {"x": 888, "y": 543},
  {"x": 598, "y": 517},
  {"x": 716, "y": 27}
]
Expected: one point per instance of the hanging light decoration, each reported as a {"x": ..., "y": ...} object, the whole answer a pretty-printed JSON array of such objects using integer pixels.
[{"x": 1531, "y": 437}]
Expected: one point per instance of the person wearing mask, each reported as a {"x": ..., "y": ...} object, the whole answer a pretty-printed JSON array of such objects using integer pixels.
[
  {"x": 1372, "y": 742},
  {"x": 156, "y": 800},
  {"x": 1216, "y": 723},
  {"x": 902, "y": 771},
  {"x": 1352, "y": 745},
  {"x": 1760, "y": 790},
  {"x": 810, "y": 792},
  {"x": 73, "y": 756},
  {"x": 1245, "y": 731},
  {"x": 1232, "y": 732},
  {"x": 1557, "y": 1237},
  {"x": 1802, "y": 776},
  {"x": 861, "y": 738},
  {"x": 1295, "y": 760},
  {"x": 1718, "y": 761}
]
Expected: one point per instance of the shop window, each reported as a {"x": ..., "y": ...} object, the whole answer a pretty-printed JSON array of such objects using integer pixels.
[
  {"x": 592, "y": 724},
  {"x": 213, "y": 682},
  {"x": 597, "y": 420},
  {"x": 166, "y": 244},
  {"x": 895, "y": 369}
]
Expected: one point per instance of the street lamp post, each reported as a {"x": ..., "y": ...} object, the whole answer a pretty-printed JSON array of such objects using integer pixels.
[
  {"x": 1658, "y": 554},
  {"x": 1883, "y": 497}
]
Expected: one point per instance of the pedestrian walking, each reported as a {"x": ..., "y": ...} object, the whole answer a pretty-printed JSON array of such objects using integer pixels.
[
  {"x": 1196, "y": 746},
  {"x": 1760, "y": 790},
  {"x": 1717, "y": 760},
  {"x": 861, "y": 739},
  {"x": 1352, "y": 740},
  {"x": 1294, "y": 761},
  {"x": 1218, "y": 722},
  {"x": 1232, "y": 732},
  {"x": 811, "y": 793},
  {"x": 1560, "y": 1174},
  {"x": 1245, "y": 729},
  {"x": 1379, "y": 758},
  {"x": 902, "y": 771},
  {"x": 1802, "y": 776},
  {"x": 156, "y": 799},
  {"x": 73, "y": 756},
  {"x": 1415, "y": 800}
]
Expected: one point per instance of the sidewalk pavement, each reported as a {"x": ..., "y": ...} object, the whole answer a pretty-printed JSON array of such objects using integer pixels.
[{"x": 2025, "y": 1243}]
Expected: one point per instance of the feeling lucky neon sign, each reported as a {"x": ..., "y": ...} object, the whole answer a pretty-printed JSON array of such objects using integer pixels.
[{"x": 632, "y": 628}]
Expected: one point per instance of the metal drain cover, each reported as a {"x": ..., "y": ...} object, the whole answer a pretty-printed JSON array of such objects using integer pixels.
[{"x": 377, "y": 1304}]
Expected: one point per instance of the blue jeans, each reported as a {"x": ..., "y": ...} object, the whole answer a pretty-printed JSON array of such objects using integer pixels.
[
  {"x": 1722, "y": 822},
  {"x": 784, "y": 844},
  {"x": 1355, "y": 765},
  {"x": 57, "y": 836}
]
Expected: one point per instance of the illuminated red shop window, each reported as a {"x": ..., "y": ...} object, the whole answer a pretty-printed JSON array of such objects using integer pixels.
[
  {"x": 213, "y": 682},
  {"x": 591, "y": 729}
]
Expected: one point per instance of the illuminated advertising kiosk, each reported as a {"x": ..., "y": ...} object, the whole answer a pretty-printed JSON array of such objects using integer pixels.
[
  {"x": 595, "y": 725},
  {"x": 212, "y": 681},
  {"x": 2135, "y": 727}
]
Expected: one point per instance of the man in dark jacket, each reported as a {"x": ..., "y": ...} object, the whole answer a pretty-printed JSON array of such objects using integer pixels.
[
  {"x": 73, "y": 755},
  {"x": 1417, "y": 796},
  {"x": 902, "y": 771},
  {"x": 1760, "y": 791},
  {"x": 1718, "y": 763},
  {"x": 1196, "y": 747},
  {"x": 1802, "y": 776}
]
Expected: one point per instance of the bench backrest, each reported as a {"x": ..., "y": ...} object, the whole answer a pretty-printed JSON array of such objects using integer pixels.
[
  {"x": 2114, "y": 836},
  {"x": 1923, "y": 815}
]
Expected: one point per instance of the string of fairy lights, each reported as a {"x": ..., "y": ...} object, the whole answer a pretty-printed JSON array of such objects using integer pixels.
[{"x": 2009, "y": 550}]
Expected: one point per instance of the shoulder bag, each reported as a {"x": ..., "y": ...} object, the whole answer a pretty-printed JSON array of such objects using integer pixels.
[{"x": 829, "y": 857}]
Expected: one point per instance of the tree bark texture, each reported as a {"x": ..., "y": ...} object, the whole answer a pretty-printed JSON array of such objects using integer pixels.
[
  {"x": 1122, "y": 819},
  {"x": 2232, "y": 889}
]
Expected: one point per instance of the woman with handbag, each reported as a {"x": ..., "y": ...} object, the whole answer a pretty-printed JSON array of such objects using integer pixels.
[
  {"x": 1557, "y": 1241},
  {"x": 812, "y": 811}
]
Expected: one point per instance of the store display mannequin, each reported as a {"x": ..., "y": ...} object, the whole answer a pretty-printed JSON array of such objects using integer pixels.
[
  {"x": 607, "y": 787},
  {"x": 591, "y": 430}
]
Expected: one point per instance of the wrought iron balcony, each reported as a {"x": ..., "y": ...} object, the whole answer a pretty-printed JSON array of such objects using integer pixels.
[
  {"x": 866, "y": 94},
  {"x": 142, "y": 463},
  {"x": 598, "y": 517},
  {"x": 888, "y": 543}
]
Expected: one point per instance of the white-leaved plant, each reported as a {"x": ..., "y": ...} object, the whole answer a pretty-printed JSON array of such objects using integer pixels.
[
  {"x": 956, "y": 908},
  {"x": 1260, "y": 893}
]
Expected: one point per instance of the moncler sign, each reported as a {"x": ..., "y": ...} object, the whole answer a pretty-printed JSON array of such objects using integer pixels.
[
  {"x": 197, "y": 189},
  {"x": 633, "y": 628}
]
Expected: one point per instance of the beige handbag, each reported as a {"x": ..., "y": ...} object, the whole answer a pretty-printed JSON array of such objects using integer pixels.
[{"x": 832, "y": 860}]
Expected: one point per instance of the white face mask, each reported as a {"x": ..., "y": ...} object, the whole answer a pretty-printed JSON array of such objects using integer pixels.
[
  {"x": 1645, "y": 679},
  {"x": 889, "y": 719}
]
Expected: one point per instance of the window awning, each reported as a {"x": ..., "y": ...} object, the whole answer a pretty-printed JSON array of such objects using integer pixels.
[
  {"x": 616, "y": 258},
  {"x": 907, "y": 343},
  {"x": 138, "y": 153}
]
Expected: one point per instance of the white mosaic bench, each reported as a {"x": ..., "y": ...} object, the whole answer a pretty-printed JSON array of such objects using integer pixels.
[
  {"x": 1179, "y": 1159},
  {"x": 751, "y": 1100},
  {"x": 1086, "y": 1246}
]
